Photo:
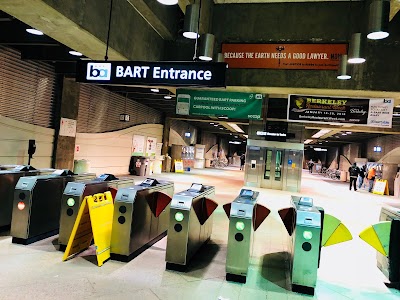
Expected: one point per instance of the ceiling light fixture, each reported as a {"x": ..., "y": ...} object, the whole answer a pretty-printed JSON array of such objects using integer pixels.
[
  {"x": 216, "y": 125},
  {"x": 342, "y": 71},
  {"x": 355, "y": 49},
  {"x": 34, "y": 31},
  {"x": 206, "y": 47},
  {"x": 321, "y": 133},
  {"x": 236, "y": 127},
  {"x": 308, "y": 141},
  {"x": 168, "y": 2},
  {"x": 75, "y": 53},
  {"x": 320, "y": 149},
  {"x": 191, "y": 23},
  {"x": 167, "y": 97},
  {"x": 155, "y": 90},
  {"x": 378, "y": 21}
]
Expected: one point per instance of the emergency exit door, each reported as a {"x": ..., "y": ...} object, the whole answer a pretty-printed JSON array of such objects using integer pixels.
[{"x": 273, "y": 169}]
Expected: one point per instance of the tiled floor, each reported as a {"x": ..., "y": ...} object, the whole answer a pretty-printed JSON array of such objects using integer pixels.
[{"x": 347, "y": 270}]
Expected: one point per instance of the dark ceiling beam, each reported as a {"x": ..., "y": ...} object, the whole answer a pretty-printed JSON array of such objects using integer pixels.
[{"x": 47, "y": 53}]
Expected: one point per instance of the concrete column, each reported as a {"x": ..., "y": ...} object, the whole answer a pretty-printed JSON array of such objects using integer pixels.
[{"x": 65, "y": 145}]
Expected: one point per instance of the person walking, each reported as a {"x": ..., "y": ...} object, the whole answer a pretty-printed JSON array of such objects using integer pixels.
[
  {"x": 354, "y": 172},
  {"x": 242, "y": 161},
  {"x": 310, "y": 165},
  {"x": 361, "y": 176},
  {"x": 371, "y": 178}
]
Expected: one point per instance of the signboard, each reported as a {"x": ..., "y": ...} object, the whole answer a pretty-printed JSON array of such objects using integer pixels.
[
  {"x": 372, "y": 112},
  {"x": 138, "y": 145},
  {"x": 381, "y": 187},
  {"x": 159, "y": 148},
  {"x": 232, "y": 105},
  {"x": 178, "y": 166},
  {"x": 67, "y": 127},
  {"x": 93, "y": 222},
  {"x": 151, "y": 146},
  {"x": 208, "y": 74},
  {"x": 284, "y": 56}
]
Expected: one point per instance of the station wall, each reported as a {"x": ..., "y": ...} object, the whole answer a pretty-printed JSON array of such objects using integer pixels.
[
  {"x": 14, "y": 136},
  {"x": 110, "y": 152}
]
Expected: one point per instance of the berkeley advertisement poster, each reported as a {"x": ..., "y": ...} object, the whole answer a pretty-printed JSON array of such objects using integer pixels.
[{"x": 374, "y": 112}]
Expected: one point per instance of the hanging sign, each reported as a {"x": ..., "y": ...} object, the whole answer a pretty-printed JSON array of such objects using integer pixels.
[
  {"x": 138, "y": 145},
  {"x": 373, "y": 112},
  {"x": 283, "y": 56},
  {"x": 207, "y": 74},
  {"x": 231, "y": 105}
]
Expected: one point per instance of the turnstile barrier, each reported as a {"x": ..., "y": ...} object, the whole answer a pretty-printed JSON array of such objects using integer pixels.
[
  {"x": 73, "y": 195},
  {"x": 141, "y": 214},
  {"x": 309, "y": 229},
  {"x": 245, "y": 216},
  {"x": 8, "y": 180},
  {"x": 384, "y": 237},
  {"x": 37, "y": 203},
  {"x": 190, "y": 224}
]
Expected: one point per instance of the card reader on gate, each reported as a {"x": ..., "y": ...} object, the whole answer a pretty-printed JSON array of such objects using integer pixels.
[
  {"x": 149, "y": 182},
  {"x": 246, "y": 193},
  {"x": 106, "y": 177},
  {"x": 196, "y": 188},
  {"x": 306, "y": 201}
]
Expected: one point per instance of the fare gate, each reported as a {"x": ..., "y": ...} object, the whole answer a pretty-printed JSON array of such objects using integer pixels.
[
  {"x": 8, "y": 180},
  {"x": 309, "y": 229},
  {"x": 384, "y": 237},
  {"x": 37, "y": 204},
  {"x": 73, "y": 196},
  {"x": 190, "y": 224},
  {"x": 245, "y": 216},
  {"x": 140, "y": 219}
]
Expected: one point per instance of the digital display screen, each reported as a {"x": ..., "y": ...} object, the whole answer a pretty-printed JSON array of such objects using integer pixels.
[
  {"x": 196, "y": 187},
  {"x": 247, "y": 193}
]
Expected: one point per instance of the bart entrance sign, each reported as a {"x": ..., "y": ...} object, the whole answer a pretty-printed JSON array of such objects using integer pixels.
[{"x": 152, "y": 73}]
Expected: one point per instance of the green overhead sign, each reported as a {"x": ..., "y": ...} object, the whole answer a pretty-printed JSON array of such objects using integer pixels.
[{"x": 231, "y": 105}]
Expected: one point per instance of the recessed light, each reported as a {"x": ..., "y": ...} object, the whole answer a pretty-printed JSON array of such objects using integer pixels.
[
  {"x": 76, "y": 53},
  {"x": 155, "y": 90},
  {"x": 348, "y": 132},
  {"x": 167, "y": 97},
  {"x": 221, "y": 128},
  {"x": 34, "y": 31},
  {"x": 212, "y": 123},
  {"x": 216, "y": 125},
  {"x": 344, "y": 133}
]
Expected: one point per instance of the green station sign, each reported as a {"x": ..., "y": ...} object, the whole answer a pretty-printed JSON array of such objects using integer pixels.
[{"x": 231, "y": 105}]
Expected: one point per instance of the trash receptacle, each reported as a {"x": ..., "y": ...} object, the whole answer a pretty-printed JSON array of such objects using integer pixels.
[
  {"x": 137, "y": 165},
  {"x": 81, "y": 166}
]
